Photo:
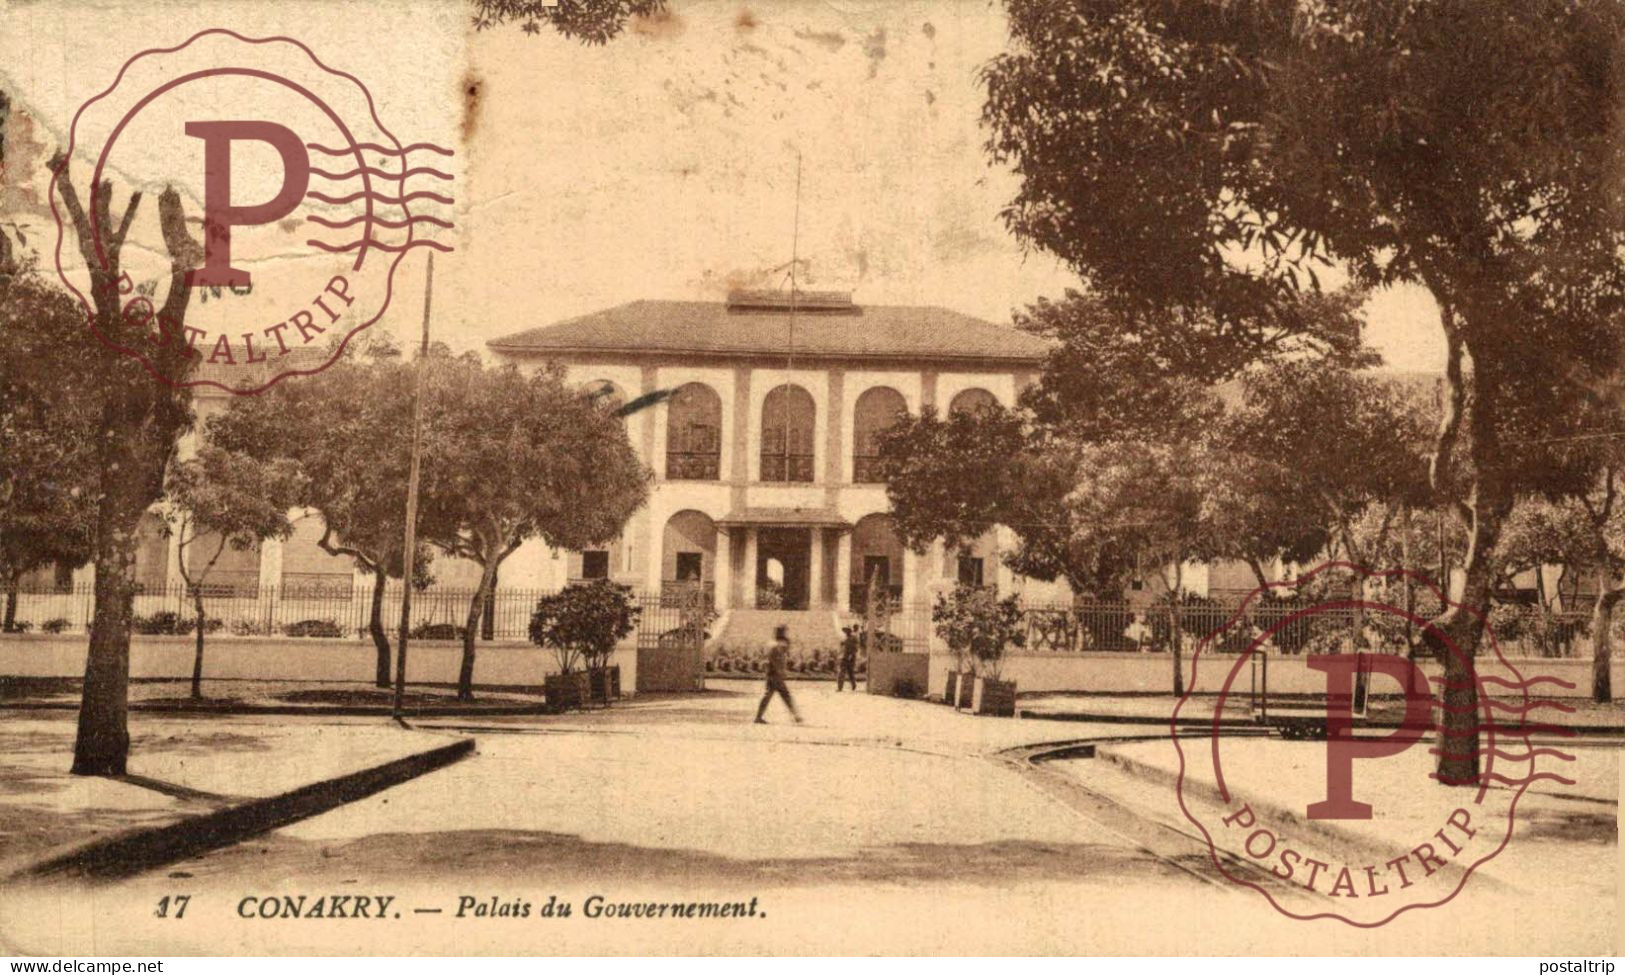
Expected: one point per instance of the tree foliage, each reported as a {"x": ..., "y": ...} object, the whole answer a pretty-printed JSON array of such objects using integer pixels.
[
  {"x": 48, "y": 432},
  {"x": 1212, "y": 155},
  {"x": 588, "y": 21}
]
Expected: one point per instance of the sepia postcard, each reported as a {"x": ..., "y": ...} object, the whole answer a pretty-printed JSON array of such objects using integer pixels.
[{"x": 846, "y": 478}]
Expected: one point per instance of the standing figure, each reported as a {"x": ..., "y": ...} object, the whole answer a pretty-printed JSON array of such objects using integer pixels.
[
  {"x": 778, "y": 653},
  {"x": 846, "y": 669}
]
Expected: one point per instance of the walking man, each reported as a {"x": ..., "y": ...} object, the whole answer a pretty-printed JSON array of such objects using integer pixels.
[
  {"x": 777, "y": 654},
  {"x": 847, "y": 668}
]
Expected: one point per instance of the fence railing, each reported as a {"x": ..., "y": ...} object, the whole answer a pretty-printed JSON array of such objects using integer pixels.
[
  {"x": 322, "y": 611},
  {"x": 682, "y": 612}
]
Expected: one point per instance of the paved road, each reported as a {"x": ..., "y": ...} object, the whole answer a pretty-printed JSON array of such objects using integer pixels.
[{"x": 878, "y": 826}]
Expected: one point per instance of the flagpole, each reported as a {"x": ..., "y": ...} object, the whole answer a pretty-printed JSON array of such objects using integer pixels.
[{"x": 409, "y": 551}]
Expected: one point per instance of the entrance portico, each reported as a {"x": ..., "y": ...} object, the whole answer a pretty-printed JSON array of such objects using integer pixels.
[{"x": 783, "y": 559}]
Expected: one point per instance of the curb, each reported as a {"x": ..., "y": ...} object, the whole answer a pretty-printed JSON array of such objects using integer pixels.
[
  {"x": 1345, "y": 841},
  {"x": 133, "y": 851},
  {"x": 1134, "y": 719},
  {"x": 340, "y": 710},
  {"x": 1599, "y": 730}
]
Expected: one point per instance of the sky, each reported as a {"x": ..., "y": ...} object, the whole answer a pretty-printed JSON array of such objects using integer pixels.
[{"x": 665, "y": 164}]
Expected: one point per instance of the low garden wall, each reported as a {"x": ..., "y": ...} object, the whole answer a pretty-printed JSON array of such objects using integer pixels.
[
  {"x": 1128, "y": 673},
  {"x": 498, "y": 663},
  {"x": 668, "y": 669},
  {"x": 890, "y": 671}
]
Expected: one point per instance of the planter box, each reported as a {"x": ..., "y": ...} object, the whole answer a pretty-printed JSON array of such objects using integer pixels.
[
  {"x": 994, "y": 697},
  {"x": 566, "y": 692},
  {"x": 966, "y": 691},
  {"x": 604, "y": 683}
]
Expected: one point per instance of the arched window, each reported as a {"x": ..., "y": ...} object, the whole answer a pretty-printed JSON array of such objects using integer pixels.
[
  {"x": 972, "y": 400},
  {"x": 876, "y": 553},
  {"x": 788, "y": 420},
  {"x": 605, "y": 394},
  {"x": 694, "y": 434},
  {"x": 877, "y": 410},
  {"x": 688, "y": 552}
]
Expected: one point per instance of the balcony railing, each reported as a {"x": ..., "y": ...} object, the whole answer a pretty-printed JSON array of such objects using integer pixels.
[
  {"x": 693, "y": 465},
  {"x": 866, "y": 469},
  {"x": 787, "y": 467}
]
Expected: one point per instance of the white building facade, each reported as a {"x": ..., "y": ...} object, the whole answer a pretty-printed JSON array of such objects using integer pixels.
[{"x": 761, "y": 435}]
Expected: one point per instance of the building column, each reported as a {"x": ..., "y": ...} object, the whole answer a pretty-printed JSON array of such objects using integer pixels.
[
  {"x": 653, "y": 546},
  {"x": 843, "y": 572},
  {"x": 1003, "y": 577},
  {"x": 815, "y": 573},
  {"x": 748, "y": 590},
  {"x": 722, "y": 571}
]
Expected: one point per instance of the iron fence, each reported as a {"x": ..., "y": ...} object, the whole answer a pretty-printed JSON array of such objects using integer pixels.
[
  {"x": 323, "y": 611},
  {"x": 682, "y": 613}
]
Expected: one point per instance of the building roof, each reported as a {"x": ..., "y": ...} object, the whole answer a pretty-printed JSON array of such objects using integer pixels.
[{"x": 827, "y": 325}]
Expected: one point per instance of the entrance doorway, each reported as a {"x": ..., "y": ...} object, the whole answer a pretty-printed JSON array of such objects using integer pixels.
[{"x": 783, "y": 567}]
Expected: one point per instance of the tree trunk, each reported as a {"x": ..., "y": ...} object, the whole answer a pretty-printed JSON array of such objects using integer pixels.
[
  {"x": 1602, "y": 643},
  {"x": 476, "y": 609},
  {"x": 375, "y": 626},
  {"x": 197, "y": 656},
  {"x": 1176, "y": 634},
  {"x": 103, "y": 743},
  {"x": 488, "y": 619},
  {"x": 1258, "y": 574},
  {"x": 10, "y": 622}
]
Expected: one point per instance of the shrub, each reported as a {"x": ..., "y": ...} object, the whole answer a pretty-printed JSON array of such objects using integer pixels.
[
  {"x": 251, "y": 627},
  {"x": 584, "y": 621},
  {"x": 56, "y": 624},
  {"x": 437, "y": 631},
  {"x": 165, "y": 622},
  {"x": 975, "y": 622},
  {"x": 314, "y": 628},
  {"x": 20, "y": 626},
  {"x": 211, "y": 624},
  {"x": 906, "y": 688}
]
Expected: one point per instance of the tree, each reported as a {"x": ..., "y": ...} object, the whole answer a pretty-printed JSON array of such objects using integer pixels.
[
  {"x": 344, "y": 430},
  {"x": 47, "y": 435},
  {"x": 1318, "y": 457},
  {"x": 139, "y": 421},
  {"x": 516, "y": 457},
  {"x": 1145, "y": 500},
  {"x": 1212, "y": 155},
  {"x": 1582, "y": 532},
  {"x": 216, "y": 499}
]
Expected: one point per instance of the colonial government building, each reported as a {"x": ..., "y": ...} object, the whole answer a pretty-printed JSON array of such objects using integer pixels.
[{"x": 767, "y": 493}]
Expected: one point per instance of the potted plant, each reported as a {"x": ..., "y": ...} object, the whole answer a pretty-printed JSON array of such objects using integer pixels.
[
  {"x": 582, "y": 623},
  {"x": 978, "y": 626}
]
